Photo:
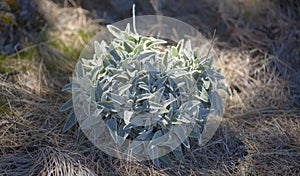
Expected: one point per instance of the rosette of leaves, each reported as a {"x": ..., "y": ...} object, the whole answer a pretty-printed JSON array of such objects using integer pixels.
[{"x": 141, "y": 89}]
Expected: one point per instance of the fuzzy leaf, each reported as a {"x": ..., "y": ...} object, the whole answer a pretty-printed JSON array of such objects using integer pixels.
[
  {"x": 151, "y": 68},
  {"x": 96, "y": 132},
  {"x": 216, "y": 103},
  {"x": 178, "y": 153},
  {"x": 165, "y": 58},
  {"x": 203, "y": 95},
  {"x": 146, "y": 55},
  {"x": 153, "y": 153},
  {"x": 122, "y": 89},
  {"x": 115, "y": 31},
  {"x": 160, "y": 82},
  {"x": 127, "y": 116},
  {"x": 122, "y": 134},
  {"x": 67, "y": 87},
  {"x": 223, "y": 87},
  {"x": 145, "y": 135},
  {"x": 127, "y": 47},
  {"x": 180, "y": 131},
  {"x": 99, "y": 91},
  {"x": 98, "y": 50},
  {"x": 112, "y": 127},
  {"x": 90, "y": 121},
  {"x": 144, "y": 87},
  {"x": 194, "y": 134},
  {"x": 80, "y": 70},
  {"x": 179, "y": 45},
  {"x": 166, "y": 160},
  {"x": 174, "y": 51},
  {"x": 143, "y": 97},
  {"x": 66, "y": 106},
  {"x": 116, "y": 98},
  {"x": 136, "y": 147},
  {"x": 115, "y": 55},
  {"x": 214, "y": 75},
  {"x": 70, "y": 122},
  {"x": 155, "y": 106}
]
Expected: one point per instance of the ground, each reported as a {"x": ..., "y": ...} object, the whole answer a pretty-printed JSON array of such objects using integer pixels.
[{"x": 258, "y": 49}]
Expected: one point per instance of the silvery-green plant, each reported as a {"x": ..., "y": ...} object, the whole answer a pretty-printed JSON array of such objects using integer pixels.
[{"x": 144, "y": 88}]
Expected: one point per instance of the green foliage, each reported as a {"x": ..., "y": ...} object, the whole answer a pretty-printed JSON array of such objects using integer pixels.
[{"x": 143, "y": 91}]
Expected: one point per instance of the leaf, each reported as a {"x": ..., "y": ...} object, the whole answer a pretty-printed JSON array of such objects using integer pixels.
[
  {"x": 186, "y": 143},
  {"x": 127, "y": 116},
  {"x": 165, "y": 59},
  {"x": 135, "y": 147},
  {"x": 174, "y": 51},
  {"x": 203, "y": 95},
  {"x": 160, "y": 82},
  {"x": 206, "y": 62},
  {"x": 122, "y": 89},
  {"x": 96, "y": 132},
  {"x": 67, "y": 87},
  {"x": 216, "y": 103},
  {"x": 153, "y": 153},
  {"x": 214, "y": 75},
  {"x": 168, "y": 102},
  {"x": 199, "y": 140},
  {"x": 94, "y": 72},
  {"x": 223, "y": 87},
  {"x": 115, "y": 55},
  {"x": 127, "y": 29},
  {"x": 194, "y": 134},
  {"x": 145, "y": 135},
  {"x": 70, "y": 122},
  {"x": 112, "y": 62},
  {"x": 188, "y": 45},
  {"x": 180, "y": 131},
  {"x": 181, "y": 73},
  {"x": 132, "y": 73},
  {"x": 115, "y": 31},
  {"x": 99, "y": 91},
  {"x": 98, "y": 50},
  {"x": 144, "y": 87},
  {"x": 144, "y": 96},
  {"x": 67, "y": 105},
  {"x": 155, "y": 106},
  {"x": 122, "y": 134},
  {"x": 80, "y": 71},
  {"x": 158, "y": 94},
  {"x": 127, "y": 47},
  {"x": 166, "y": 160},
  {"x": 178, "y": 153},
  {"x": 146, "y": 55},
  {"x": 128, "y": 127},
  {"x": 137, "y": 121},
  {"x": 89, "y": 122},
  {"x": 151, "y": 68},
  {"x": 170, "y": 63},
  {"x": 157, "y": 134},
  {"x": 107, "y": 106},
  {"x": 179, "y": 45},
  {"x": 206, "y": 83},
  {"x": 116, "y": 98},
  {"x": 137, "y": 50},
  {"x": 112, "y": 127},
  {"x": 203, "y": 114},
  {"x": 156, "y": 42}
]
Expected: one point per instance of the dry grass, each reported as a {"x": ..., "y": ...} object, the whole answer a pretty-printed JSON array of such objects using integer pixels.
[{"x": 258, "y": 53}]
